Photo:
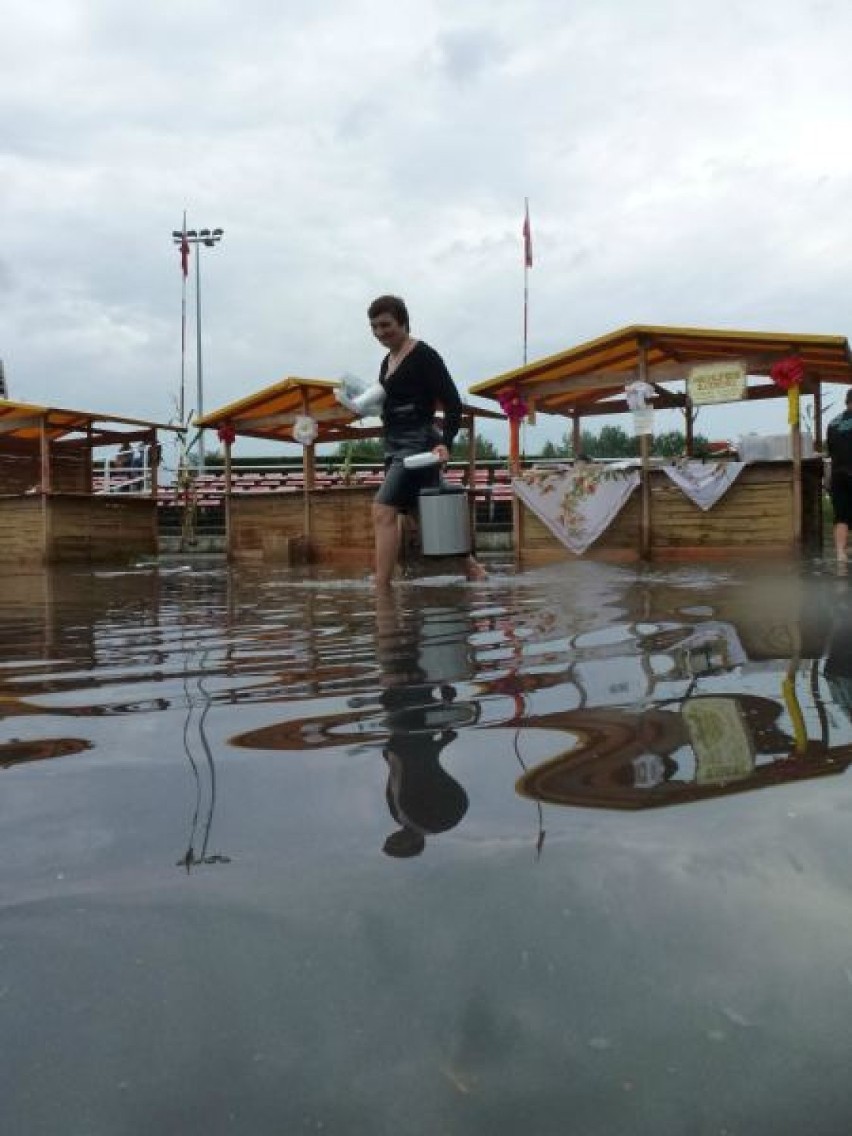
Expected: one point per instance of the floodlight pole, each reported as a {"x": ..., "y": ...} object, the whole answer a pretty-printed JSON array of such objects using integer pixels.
[{"x": 210, "y": 238}]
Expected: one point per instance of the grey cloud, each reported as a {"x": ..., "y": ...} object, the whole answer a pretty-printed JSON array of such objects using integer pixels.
[
  {"x": 669, "y": 153},
  {"x": 464, "y": 54}
]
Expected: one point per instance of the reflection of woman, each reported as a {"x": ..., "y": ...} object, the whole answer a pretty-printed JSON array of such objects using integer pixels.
[
  {"x": 416, "y": 382},
  {"x": 419, "y": 710},
  {"x": 838, "y": 660},
  {"x": 422, "y": 797}
]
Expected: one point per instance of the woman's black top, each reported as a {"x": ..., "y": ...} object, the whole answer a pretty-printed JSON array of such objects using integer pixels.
[{"x": 414, "y": 391}]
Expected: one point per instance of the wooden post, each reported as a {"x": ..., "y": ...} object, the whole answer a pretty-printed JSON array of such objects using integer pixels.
[
  {"x": 153, "y": 463},
  {"x": 796, "y": 438},
  {"x": 471, "y": 478},
  {"x": 645, "y": 470},
  {"x": 514, "y": 447},
  {"x": 44, "y": 453},
  {"x": 228, "y": 486},
  {"x": 576, "y": 434},
  {"x": 309, "y": 467},
  {"x": 308, "y": 476},
  {"x": 689, "y": 424},
  {"x": 88, "y": 471},
  {"x": 514, "y": 470},
  {"x": 44, "y": 487}
]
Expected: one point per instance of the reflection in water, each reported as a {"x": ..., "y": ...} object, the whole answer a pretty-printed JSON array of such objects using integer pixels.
[
  {"x": 198, "y": 703},
  {"x": 18, "y": 752},
  {"x": 420, "y": 709},
  {"x": 838, "y": 662},
  {"x": 696, "y": 744},
  {"x": 473, "y": 991},
  {"x": 663, "y": 689},
  {"x": 664, "y": 694}
]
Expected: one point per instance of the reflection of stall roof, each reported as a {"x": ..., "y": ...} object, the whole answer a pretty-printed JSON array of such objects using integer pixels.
[
  {"x": 600, "y": 771},
  {"x": 596, "y": 372},
  {"x": 270, "y": 413},
  {"x": 25, "y": 420}
]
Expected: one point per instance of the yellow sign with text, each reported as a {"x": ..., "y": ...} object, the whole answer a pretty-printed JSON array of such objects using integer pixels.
[{"x": 717, "y": 382}]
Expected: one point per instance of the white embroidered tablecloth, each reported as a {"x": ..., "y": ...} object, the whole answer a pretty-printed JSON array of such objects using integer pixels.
[
  {"x": 704, "y": 482},
  {"x": 577, "y": 505}
]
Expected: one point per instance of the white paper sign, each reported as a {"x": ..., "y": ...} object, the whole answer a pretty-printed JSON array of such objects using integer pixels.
[
  {"x": 717, "y": 382},
  {"x": 643, "y": 422}
]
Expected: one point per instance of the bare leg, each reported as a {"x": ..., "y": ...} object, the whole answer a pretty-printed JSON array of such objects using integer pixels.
[
  {"x": 841, "y": 535},
  {"x": 387, "y": 543}
]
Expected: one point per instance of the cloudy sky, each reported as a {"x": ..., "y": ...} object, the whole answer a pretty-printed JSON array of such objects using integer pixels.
[{"x": 686, "y": 162}]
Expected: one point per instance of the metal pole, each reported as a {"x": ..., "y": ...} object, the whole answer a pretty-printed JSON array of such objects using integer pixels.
[{"x": 200, "y": 384}]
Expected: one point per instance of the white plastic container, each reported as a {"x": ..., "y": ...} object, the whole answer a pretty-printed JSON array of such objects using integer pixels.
[
  {"x": 772, "y": 447},
  {"x": 365, "y": 404},
  {"x": 423, "y": 460},
  {"x": 752, "y": 448}
]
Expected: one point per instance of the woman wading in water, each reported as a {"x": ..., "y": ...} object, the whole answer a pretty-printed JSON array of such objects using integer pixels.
[{"x": 416, "y": 382}]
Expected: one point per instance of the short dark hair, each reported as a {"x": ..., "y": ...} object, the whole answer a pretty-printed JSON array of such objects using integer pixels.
[{"x": 391, "y": 306}]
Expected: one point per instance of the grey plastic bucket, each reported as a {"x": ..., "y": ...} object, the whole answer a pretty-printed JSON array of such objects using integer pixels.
[{"x": 444, "y": 521}]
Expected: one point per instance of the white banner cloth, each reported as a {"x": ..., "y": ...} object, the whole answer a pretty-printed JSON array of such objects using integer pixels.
[
  {"x": 704, "y": 482},
  {"x": 577, "y": 505}
]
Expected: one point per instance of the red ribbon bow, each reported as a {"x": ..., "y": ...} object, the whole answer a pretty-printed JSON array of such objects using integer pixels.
[
  {"x": 227, "y": 434},
  {"x": 788, "y": 373}
]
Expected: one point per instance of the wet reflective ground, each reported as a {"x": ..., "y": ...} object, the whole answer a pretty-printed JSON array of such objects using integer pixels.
[{"x": 568, "y": 852}]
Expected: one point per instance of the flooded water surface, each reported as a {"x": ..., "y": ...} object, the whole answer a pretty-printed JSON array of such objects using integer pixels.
[{"x": 567, "y": 852}]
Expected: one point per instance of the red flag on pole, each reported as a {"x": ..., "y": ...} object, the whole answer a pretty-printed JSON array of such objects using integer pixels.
[
  {"x": 184, "y": 250},
  {"x": 528, "y": 257}
]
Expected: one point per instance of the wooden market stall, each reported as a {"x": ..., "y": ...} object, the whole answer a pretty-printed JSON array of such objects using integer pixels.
[
  {"x": 769, "y": 505},
  {"x": 312, "y": 518},
  {"x": 52, "y": 507}
]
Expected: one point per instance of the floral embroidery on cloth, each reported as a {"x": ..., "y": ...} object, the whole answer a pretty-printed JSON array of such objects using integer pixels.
[
  {"x": 577, "y": 505},
  {"x": 704, "y": 482}
]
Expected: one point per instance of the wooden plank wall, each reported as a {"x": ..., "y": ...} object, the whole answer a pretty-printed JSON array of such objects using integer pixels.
[
  {"x": 263, "y": 527},
  {"x": 100, "y": 530},
  {"x": 754, "y": 518},
  {"x": 20, "y": 466},
  {"x": 22, "y": 526},
  {"x": 75, "y": 529},
  {"x": 756, "y": 511},
  {"x": 271, "y": 526},
  {"x": 342, "y": 523}
]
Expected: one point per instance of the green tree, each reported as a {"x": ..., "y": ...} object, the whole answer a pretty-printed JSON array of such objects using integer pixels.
[
  {"x": 611, "y": 442},
  {"x": 669, "y": 445},
  {"x": 485, "y": 450},
  {"x": 361, "y": 450},
  {"x": 673, "y": 445}
]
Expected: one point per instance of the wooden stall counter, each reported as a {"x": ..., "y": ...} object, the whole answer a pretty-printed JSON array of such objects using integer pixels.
[
  {"x": 76, "y": 528},
  {"x": 273, "y": 526},
  {"x": 754, "y": 518}
]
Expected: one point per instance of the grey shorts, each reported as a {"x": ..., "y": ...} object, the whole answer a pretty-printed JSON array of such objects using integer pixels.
[{"x": 401, "y": 487}]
